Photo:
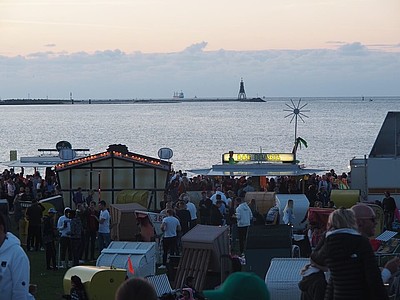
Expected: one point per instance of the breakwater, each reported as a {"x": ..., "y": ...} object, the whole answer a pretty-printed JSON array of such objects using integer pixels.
[{"x": 120, "y": 101}]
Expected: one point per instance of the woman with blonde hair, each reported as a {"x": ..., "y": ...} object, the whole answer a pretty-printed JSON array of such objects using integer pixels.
[
  {"x": 288, "y": 213},
  {"x": 342, "y": 218},
  {"x": 350, "y": 259}
]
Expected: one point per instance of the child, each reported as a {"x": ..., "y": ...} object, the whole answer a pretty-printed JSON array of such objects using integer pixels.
[
  {"x": 313, "y": 283},
  {"x": 77, "y": 289}
]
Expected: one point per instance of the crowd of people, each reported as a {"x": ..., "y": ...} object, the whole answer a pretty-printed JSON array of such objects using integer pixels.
[
  {"x": 342, "y": 248},
  {"x": 25, "y": 187},
  {"x": 317, "y": 187},
  {"x": 77, "y": 229}
]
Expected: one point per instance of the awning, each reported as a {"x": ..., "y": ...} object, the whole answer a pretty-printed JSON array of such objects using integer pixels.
[
  {"x": 260, "y": 169},
  {"x": 19, "y": 164}
]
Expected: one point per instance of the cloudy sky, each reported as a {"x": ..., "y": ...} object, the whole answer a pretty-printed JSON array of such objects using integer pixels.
[{"x": 151, "y": 48}]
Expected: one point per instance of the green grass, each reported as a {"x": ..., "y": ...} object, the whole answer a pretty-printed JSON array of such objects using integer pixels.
[{"x": 49, "y": 283}]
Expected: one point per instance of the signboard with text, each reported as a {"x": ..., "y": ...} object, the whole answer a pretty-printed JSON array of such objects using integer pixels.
[{"x": 256, "y": 157}]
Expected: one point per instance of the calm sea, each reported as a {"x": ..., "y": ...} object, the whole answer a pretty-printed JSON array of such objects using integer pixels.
[{"x": 336, "y": 130}]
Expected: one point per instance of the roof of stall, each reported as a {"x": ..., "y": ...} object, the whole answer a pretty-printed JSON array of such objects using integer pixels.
[
  {"x": 258, "y": 169},
  {"x": 119, "y": 152}
]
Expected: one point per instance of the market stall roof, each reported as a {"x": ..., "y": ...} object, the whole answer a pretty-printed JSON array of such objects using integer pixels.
[
  {"x": 48, "y": 157},
  {"x": 19, "y": 164},
  {"x": 257, "y": 169}
]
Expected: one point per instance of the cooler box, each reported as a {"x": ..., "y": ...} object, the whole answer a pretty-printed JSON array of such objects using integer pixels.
[
  {"x": 124, "y": 224},
  {"x": 283, "y": 277},
  {"x": 142, "y": 255},
  {"x": 100, "y": 283}
]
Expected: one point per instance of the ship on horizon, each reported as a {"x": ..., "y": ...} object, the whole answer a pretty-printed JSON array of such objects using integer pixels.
[{"x": 178, "y": 95}]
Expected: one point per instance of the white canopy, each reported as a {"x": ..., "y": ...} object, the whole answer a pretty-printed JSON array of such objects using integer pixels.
[{"x": 258, "y": 169}]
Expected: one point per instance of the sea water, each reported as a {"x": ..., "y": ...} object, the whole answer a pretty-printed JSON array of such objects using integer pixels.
[{"x": 336, "y": 130}]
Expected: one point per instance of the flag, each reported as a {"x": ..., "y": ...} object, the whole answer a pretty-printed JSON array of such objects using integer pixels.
[{"x": 130, "y": 266}]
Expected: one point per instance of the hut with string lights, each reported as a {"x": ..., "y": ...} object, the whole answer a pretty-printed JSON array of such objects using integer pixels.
[{"x": 116, "y": 176}]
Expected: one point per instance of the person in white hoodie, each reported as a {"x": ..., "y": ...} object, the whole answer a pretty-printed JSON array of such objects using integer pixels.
[
  {"x": 14, "y": 266},
  {"x": 244, "y": 217}
]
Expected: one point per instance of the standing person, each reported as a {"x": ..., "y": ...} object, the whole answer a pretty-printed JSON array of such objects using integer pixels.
[
  {"x": 193, "y": 211},
  {"x": 19, "y": 214},
  {"x": 232, "y": 222},
  {"x": 323, "y": 196},
  {"x": 218, "y": 191},
  {"x": 366, "y": 223},
  {"x": 90, "y": 197},
  {"x": 10, "y": 193},
  {"x": 76, "y": 234},
  {"x": 244, "y": 218},
  {"x": 288, "y": 213},
  {"x": 389, "y": 207},
  {"x": 253, "y": 206},
  {"x": 27, "y": 195},
  {"x": 104, "y": 226},
  {"x": 350, "y": 259},
  {"x": 170, "y": 226},
  {"x": 216, "y": 217},
  {"x": 64, "y": 228},
  {"x": 78, "y": 197},
  {"x": 92, "y": 226},
  {"x": 80, "y": 213},
  {"x": 204, "y": 209},
  {"x": 184, "y": 218},
  {"x": 34, "y": 215},
  {"x": 14, "y": 266},
  {"x": 49, "y": 236}
]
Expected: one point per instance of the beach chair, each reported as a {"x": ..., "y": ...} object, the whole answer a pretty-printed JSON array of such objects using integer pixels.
[
  {"x": 161, "y": 284},
  {"x": 283, "y": 277}
]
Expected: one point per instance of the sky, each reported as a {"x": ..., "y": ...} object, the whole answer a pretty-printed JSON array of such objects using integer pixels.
[{"x": 150, "y": 48}]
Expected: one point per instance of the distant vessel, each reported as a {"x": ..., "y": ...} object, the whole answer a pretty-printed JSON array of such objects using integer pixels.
[{"x": 178, "y": 95}]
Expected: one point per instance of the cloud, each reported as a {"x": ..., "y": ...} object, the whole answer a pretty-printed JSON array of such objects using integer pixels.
[
  {"x": 336, "y": 42},
  {"x": 353, "y": 49},
  {"x": 196, "y": 47},
  {"x": 351, "y": 70}
]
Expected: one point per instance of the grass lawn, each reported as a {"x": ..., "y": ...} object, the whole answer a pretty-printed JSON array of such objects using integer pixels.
[{"x": 49, "y": 283}]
